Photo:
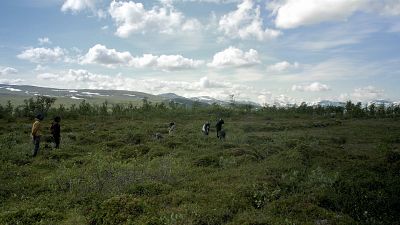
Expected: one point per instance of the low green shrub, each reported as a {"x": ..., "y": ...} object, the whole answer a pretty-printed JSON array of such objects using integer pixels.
[
  {"x": 207, "y": 161},
  {"x": 30, "y": 216},
  {"x": 149, "y": 189},
  {"x": 122, "y": 209}
]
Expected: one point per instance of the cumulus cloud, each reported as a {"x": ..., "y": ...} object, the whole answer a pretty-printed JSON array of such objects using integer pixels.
[
  {"x": 100, "y": 54},
  {"x": 40, "y": 68},
  {"x": 11, "y": 81},
  {"x": 368, "y": 93},
  {"x": 43, "y": 55},
  {"x": 264, "y": 98},
  {"x": 283, "y": 66},
  {"x": 192, "y": 25},
  {"x": 234, "y": 57},
  {"x": 44, "y": 40},
  {"x": 173, "y": 62},
  {"x": 76, "y": 6},
  {"x": 246, "y": 23},
  {"x": 47, "y": 76},
  {"x": 207, "y": 83},
  {"x": 296, "y": 13},
  {"x": 8, "y": 71},
  {"x": 131, "y": 17},
  {"x": 313, "y": 87}
]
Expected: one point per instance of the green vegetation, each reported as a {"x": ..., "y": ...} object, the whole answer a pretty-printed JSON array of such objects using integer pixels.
[{"x": 300, "y": 165}]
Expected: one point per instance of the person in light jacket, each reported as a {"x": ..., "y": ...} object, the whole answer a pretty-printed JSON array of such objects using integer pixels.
[{"x": 36, "y": 132}]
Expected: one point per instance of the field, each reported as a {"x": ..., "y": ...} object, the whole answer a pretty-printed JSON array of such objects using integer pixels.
[{"x": 269, "y": 170}]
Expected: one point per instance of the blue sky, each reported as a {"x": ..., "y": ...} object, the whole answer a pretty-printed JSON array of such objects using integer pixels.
[{"x": 264, "y": 51}]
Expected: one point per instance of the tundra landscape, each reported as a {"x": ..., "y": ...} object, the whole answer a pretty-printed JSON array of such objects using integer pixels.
[
  {"x": 199, "y": 112},
  {"x": 297, "y": 165}
]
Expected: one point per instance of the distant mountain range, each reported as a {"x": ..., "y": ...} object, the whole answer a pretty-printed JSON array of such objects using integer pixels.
[{"x": 18, "y": 93}]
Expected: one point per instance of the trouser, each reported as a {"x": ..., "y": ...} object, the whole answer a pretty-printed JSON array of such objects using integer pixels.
[
  {"x": 36, "y": 143},
  {"x": 57, "y": 141},
  {"x": 218, "y": 130}
]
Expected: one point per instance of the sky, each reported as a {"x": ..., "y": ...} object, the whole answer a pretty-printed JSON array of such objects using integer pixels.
[{"x": 266, "y": 51}]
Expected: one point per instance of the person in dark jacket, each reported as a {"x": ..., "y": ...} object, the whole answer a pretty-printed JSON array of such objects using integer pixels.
[
  {"x": 219, "y": 126},
  {"x": 56, "y": 131},
  {"x": 36, "y": 133}
]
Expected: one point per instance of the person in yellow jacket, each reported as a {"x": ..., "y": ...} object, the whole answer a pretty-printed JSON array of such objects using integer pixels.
[{"x": 36, "y": 127}]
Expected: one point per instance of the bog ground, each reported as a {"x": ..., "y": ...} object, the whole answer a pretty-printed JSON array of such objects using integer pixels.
[{"x": 269, "y": 170}]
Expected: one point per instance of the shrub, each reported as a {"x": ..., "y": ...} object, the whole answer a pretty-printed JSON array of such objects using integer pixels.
[
  {"x": 128, "y": 152},
  {"x": 148, "y": 188},
  {"x": 123, "y": 209},
  {"x": 207, "y": 161},
  {"x": 134, "y": 138},
  {"x": 30, "y": 216},
  {"x": 260, "y": 194}
]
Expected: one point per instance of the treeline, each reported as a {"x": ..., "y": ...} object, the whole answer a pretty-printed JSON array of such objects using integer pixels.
[
  {"x": 350, "y": 110},
  {"x": 44, "y": 105}
]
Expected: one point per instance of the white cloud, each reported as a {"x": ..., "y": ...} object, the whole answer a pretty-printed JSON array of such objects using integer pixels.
[
  {"x": 246, "y": 23},
  {"x": 78, "y": 5},
  {"x": 131, "y": 18},
  {"x": 174, "y": 62},
  {"x": 388, "y": 7},
  {"x": 100, "y": 54},
  {"x": 313, "y": 87},
  {"x": 367, "y": 94},
  {"x": 40, "y": 68},
  {"x": 363, "y": 94},
  {"x": 47, "y": 76},
  {"x": 264, "y": 98},
  {"x": 338, "y": 69},
  {"x": 11, "y": 81},
  {"x": 84, "y": 79},
  {"x": 192, "y": 25},
  {"x": 206, "y": 83},
  {"x": 44, "y": 40},
  {"x": 207, "y": 1},
  {"x": 283, "y": 66},
  {"x": 234, "y": 57},
  {"x": 296, "y": 13},
  {"x": 43, "y": 55},
  {"x": 8, "y": 71}
]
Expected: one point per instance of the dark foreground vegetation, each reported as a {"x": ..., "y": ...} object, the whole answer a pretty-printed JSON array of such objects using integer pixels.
[{"x": 300, "y": 165}]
